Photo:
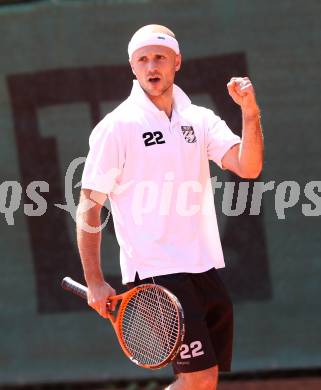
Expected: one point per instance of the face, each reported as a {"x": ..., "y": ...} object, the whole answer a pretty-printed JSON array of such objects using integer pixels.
[{"x": 155, "y": 68}]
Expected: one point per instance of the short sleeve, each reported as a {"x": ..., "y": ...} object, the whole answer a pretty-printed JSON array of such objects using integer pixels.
[
  {"x": 220, "y": 138},
  {"x": 105, "y": 160}
]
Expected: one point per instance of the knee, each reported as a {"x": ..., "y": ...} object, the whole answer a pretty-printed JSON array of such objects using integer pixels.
[
  {"x": 205, "y": 383},
  {"x": 200, "y": 380},
  {"x": 208, "y": 381}
]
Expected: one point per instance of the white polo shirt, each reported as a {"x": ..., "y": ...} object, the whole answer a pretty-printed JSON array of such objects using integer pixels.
[{"x": 156, "y": 174}]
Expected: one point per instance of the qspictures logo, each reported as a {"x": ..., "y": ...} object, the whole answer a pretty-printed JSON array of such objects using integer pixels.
[{"x": 159, "y": 198}]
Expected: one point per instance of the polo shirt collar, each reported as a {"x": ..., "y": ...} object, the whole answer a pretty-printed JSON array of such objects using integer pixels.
[{"x": 139, "y": 97}]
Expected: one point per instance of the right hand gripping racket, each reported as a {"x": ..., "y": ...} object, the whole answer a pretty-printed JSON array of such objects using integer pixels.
[{"x": 149, "y": 322}]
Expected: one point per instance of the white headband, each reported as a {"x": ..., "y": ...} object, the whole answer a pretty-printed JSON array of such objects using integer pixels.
[{"x": 152, "y": 38}]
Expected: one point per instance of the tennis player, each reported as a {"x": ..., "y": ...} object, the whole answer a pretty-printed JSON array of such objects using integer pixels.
[{"x": 150, "y": 157}]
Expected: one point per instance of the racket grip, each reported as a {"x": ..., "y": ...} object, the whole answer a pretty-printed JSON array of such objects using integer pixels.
[{"x": 74, "y": 287}]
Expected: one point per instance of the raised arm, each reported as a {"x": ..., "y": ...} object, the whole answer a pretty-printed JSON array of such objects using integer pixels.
[
  {"x": 246, "y": 159},
  {"x": 89, "y": 239}
]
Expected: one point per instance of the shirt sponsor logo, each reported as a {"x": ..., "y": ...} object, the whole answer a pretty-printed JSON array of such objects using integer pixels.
[{"x": 189, "y": 134}]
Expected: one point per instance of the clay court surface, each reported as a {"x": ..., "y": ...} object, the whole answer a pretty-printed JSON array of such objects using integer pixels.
[
  {"x": 304, "y": 383},
  {"x": 267, "y": 381},
  {"x": 273, "y": 384}
]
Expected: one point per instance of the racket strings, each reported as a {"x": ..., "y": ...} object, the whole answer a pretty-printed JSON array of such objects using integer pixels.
[
  {"x": 150, "y": 326},
  {"x": 156, "y": 334},
  {"x": 150, "y": 350}
]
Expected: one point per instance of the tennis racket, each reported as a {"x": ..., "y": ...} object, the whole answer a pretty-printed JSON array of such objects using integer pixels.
[{"x": 149, "y": 322}]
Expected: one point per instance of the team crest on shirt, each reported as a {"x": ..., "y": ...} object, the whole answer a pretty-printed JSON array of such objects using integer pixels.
[{"x": 189, "y": 134}]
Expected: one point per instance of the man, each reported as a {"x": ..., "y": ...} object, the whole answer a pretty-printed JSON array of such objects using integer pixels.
[{"x": 150, "y": 157}]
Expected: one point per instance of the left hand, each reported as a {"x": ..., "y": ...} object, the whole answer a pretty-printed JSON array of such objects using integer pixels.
[{"x": 242, "y": 92}]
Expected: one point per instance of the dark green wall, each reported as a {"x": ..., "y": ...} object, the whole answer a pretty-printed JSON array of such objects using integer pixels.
[{"x": 63, "y": 65}]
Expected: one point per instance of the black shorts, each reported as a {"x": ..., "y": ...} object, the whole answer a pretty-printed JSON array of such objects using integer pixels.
[{"x": 208, "y": 315}]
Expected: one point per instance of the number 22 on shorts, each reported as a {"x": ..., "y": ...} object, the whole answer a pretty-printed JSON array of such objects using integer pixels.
[{"x": 193, "y": 350}]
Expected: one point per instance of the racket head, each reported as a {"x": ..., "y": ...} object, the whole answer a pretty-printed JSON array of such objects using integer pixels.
[{"x": 150, "y": 325}]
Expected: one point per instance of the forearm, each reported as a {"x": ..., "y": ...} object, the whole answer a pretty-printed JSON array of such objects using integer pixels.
[
  {"x": 89, "y": 239},
  {"x": 89, "y": 244},
  {"x": 251, "y": 149},
  {"x": 246, "y": 160}
]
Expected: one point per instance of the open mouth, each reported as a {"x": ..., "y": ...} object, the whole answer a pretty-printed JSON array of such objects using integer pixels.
[{"x": 153, "y": 80}]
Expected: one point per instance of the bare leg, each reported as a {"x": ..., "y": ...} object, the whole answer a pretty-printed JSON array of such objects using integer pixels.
[{"x": 198, "y": 380}]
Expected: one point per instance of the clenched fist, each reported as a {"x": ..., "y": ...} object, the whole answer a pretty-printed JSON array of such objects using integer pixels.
[{"x": 242, "y": 92}]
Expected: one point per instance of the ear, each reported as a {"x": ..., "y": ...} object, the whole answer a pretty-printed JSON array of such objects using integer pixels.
[
  {"x": 178, "y": 62},
  {"x": 131, "y": 65}
]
